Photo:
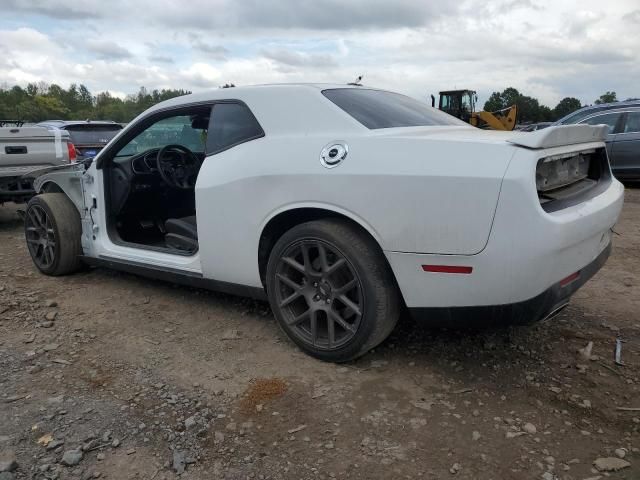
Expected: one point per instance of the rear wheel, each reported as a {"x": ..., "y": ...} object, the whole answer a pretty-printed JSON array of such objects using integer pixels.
[
  {"x": 331, "y": 290},
  {"x": 53, "y": 234}
]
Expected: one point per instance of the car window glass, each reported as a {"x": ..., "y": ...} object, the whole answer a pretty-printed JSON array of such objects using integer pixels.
[
  {"x": 379, "y": 109},
  {"x": 187, "y": 130},
  {"x": 92, "y": 134},
  {"x": 231, "y": 124},
  {"x": 577, "y": 116},
  {"x": 633, "y": 122},
  {"x": 608, "y": 119}
]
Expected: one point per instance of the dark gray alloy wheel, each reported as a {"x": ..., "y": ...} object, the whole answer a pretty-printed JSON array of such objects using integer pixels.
[
  {"x": 41, "y": 237},
  {"x": 331, "y": 290},
  {"x": 319, "y": 294},
  {"x": 53, "y": 232}
]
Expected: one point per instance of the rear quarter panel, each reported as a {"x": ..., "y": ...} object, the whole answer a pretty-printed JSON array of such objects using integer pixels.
[{"x": 412, "y": 194}]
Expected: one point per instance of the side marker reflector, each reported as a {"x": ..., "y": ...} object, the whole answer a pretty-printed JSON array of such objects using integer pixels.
[
  {"x": 447, "y": 269},
  {"x": 566, "y": 281}
]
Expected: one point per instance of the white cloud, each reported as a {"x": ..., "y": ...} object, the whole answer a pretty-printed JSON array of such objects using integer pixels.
[
  {"x": 106, "y": 49},
  {"x": 548, "y": 49}
]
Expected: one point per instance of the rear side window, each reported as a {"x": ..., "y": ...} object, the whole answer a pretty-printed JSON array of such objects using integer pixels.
[
  {"x": 231, "y": 124},
  {"x": 633, "y": 123},
  {"x": 379, "y": 109},
  {"x": 608, "y": 119},
  {"x": 92, "y": 134}
]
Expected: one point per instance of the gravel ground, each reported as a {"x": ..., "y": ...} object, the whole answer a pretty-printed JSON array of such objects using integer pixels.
[{"x": 107, "y": 375}]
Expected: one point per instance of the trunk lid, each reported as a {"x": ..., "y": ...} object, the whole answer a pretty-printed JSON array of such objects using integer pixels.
[{"x": 554, "y": 136}]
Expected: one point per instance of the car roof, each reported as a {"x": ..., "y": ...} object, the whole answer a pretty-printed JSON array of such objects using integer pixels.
[
  {"x": 70, "y": 123},
  {"x": 240, "y": 93},
  {"x": 601, "y": 107},
  {"x": 620, "y": 109}
]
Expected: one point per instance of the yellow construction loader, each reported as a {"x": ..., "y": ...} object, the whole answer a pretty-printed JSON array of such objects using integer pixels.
[{"x": 461, "y": 104}]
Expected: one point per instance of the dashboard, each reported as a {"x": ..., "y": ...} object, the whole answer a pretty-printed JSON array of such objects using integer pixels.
[
  {"x": 135, "y": 180},
  {"x": 145, "y": 163}
]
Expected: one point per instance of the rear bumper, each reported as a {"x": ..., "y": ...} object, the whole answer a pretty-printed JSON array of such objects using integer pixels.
[
  {"x": 541, "y": 306},
  {"x": 529, "y": 251}
]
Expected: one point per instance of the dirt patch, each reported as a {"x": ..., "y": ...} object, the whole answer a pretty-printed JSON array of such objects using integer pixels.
[{"x": 261, "y": 391}]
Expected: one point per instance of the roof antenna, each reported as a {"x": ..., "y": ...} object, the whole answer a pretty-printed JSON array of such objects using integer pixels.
[{"x": 358, "y": 82}]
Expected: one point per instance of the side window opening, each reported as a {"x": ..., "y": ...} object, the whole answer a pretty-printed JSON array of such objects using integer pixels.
[
  {"x": 151, "y": 180},
  {"x": 231, "y": 124},
  {"x": 189, "y": 130}
]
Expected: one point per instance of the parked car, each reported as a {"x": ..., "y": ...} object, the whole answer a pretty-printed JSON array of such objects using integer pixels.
[
  {"x": 535, "y": 126},
  {"x": 341, "y": 205},
  {"x": 24, "y": 149},
  {"x": 576, "y": 116},
  {"x": 623, "y": 134},
  {"x": 87, "y": 136}
]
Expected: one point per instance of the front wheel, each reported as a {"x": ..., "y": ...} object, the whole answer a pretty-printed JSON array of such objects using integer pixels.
[
  {"x": 53, "y": 233},
  {"x": 331, "y": 290}
]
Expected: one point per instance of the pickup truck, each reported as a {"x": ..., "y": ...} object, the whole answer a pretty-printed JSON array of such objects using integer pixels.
[{"x": 25, "y": 149}]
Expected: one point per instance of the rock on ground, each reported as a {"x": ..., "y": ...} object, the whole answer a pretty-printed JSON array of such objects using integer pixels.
[
  {"x": 8, "y": 462},
  {"x": 610, "y": 464},
  {"x": 179, "y": 462},
  {"x": 71, "y": 458}
]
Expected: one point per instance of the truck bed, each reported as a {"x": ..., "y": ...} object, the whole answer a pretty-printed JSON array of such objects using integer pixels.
[{"x": 24, "y": 149}]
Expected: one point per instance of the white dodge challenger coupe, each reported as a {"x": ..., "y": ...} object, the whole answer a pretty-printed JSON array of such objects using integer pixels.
[{"x": 341, "y": 205}]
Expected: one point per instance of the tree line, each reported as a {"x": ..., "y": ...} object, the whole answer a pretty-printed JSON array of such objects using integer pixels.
[
  {"x": 41, "y": 101},
  {"x": 531, "y": 110}
]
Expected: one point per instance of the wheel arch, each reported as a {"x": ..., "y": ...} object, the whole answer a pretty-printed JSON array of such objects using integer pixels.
[
  {"x": 284, "y": 219},
  {"x": 61, "y": 182},
  {"x": 50, "y": 187}
]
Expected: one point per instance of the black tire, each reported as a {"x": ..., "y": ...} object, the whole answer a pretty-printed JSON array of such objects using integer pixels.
[
  {"x": 370, "y": 313},
  {"x": 54, "y": 217}
]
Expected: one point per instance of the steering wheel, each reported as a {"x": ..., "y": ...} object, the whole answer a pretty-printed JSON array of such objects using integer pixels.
[{"x": 178, "y": 166}]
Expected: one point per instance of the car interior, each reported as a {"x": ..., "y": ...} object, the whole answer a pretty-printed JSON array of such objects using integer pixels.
[
  {"x": 151, "y": 177},
  {"x": 151, "y": 184}
]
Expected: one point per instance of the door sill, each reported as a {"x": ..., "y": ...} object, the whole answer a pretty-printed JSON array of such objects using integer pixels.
[{"x": 175, "y": 275}]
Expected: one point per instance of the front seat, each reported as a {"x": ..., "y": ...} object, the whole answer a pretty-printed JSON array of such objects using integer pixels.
[{"x": 182, "y": 233}]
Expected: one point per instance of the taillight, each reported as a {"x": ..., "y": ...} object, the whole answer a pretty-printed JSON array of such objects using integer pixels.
[
  {"x": 72, "y": 152},
  {"x": 561, "y": 170}
]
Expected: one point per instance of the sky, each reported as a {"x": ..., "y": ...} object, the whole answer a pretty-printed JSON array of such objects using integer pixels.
[{"x": 545, "y": 49}]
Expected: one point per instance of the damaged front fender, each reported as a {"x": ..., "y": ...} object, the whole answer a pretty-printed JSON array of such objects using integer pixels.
[{"x": 64, "y": 178}]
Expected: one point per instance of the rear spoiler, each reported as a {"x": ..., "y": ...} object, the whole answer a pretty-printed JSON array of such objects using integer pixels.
[{"x": 560, "y": 135}]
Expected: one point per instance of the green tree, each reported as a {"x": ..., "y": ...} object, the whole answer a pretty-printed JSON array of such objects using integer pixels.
[
  {"x": 41, "y": 101},
  {"x": 529, "y": 108},
  {"x": 607, "y": 97},
  {"x": 566, "y": 106},
  {"x": 545, "y": 114}
]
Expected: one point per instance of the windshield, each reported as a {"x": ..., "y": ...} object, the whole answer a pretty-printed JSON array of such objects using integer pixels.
[
  {"x": 92, "y": 134},
  {"x": 379, "y": 109}
]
